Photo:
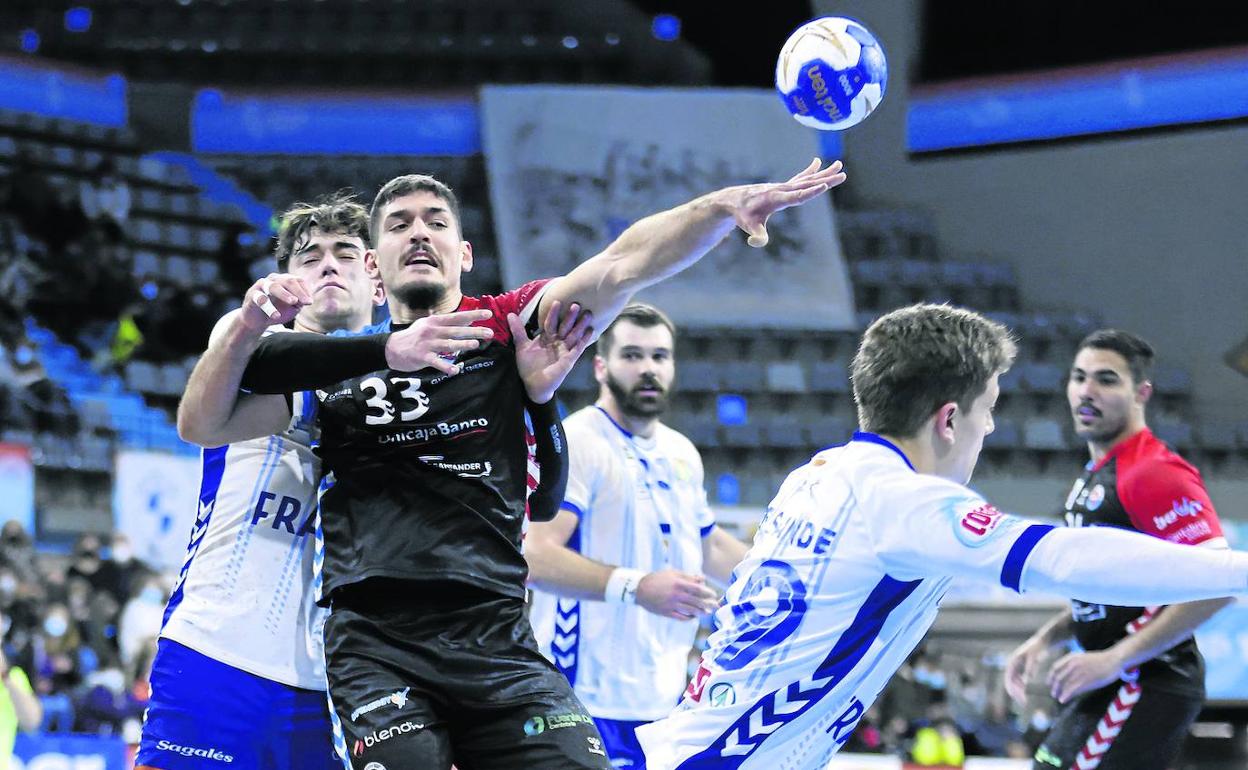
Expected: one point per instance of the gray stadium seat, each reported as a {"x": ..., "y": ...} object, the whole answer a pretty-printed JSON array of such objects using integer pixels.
[
  {"x": 699, "y": 376},
  {"x": 785, "y": 377},
  {"x": 829, "y": 377},
  {"x": 1177, "y": 434},
  {"x": 1218, "y": 435},
  {"x": 1043, "y": 433},
  {"x": 742, "y": 377}
]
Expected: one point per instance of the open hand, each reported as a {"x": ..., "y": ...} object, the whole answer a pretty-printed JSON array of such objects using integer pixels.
[
  {"x": 545, "y": 360},
  {"x": 752, "y": 205}
]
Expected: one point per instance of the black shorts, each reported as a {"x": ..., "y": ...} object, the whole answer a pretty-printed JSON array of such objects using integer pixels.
[
  {"x": 423, "y": 676},
  {"x": 1118, "y": 728}
]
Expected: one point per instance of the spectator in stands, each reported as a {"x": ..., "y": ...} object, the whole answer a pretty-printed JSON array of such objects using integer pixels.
[
  {"x": 90, "y": 566},
  {"x": 17, "y": 552},
  {"x": 19, "y": 707},
  {"x": 106, "y": 703},
  {"x": 141, "y": 620},
  {"x": 938, "y": 743},
  {"x": 105, "y": 199},
  {"x": 129, "y": 569}
]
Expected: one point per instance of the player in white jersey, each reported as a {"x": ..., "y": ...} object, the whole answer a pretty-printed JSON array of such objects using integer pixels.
[
  {"x": 239, "y": 674},
  {"x": 619, "y": 571},
  {"x": 856, "y": 550}
]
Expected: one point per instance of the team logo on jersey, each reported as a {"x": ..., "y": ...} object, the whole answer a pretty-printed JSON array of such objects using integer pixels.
[
  {"x": 385, "y": 734},
  {"x": 722, "y": 694},
  {"x": 398, "y": 699},
  {"x": 1183, "y": 507},
  {"x": 694, "y": 691},
  {"x": 682, "y": 470},
  {"x": 1095, "y": 497},
  {"x": 216, "y": 755},
  {"x": 978, "y": 525},
  {"x": 539, "y": 724}
]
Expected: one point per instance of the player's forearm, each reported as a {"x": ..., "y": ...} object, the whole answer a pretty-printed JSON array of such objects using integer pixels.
[
  {"x": 1104, "y": 565},
  {"x": 1171, "y": 626},
  {"x": 723, "y": 553},
  {"x": 212, "y": 394},
  {"x": 650, "y": 250},
  {"x": 1055, "y": 630},
  {"x": 559, "y": 570},
  {"x": 552, "y": 461},
  {"x": 287, "y": 363}
]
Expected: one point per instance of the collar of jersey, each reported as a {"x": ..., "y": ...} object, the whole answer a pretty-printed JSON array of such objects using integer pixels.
[
  {"x": 611, "y": 419},
  {"x": 875, "y": 438}
]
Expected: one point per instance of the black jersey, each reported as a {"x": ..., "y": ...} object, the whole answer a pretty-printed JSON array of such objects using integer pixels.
[
  {"x": 430, "y": 471},
  {"x": 1142, "y": 485}
]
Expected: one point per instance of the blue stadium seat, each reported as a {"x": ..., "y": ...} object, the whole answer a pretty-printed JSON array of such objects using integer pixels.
[{"x": 732, "y": 409}]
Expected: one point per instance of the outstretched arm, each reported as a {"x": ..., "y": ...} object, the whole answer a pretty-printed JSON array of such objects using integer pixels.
[
  {"x": 1104, "y": 565},
  {"x": 663, "y": 244}
]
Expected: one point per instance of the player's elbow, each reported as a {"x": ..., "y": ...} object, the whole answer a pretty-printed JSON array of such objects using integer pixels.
[{"x": 194, "y": 430}]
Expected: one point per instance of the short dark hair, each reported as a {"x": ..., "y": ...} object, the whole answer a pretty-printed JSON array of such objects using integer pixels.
[
  {"x": 914, "y": 359},
  {"x": 334, "y": 213},
  {"x": 1138, "y": 353},
  {"x": 406, "y": 185},
  {"x": 638, "y": 314}
]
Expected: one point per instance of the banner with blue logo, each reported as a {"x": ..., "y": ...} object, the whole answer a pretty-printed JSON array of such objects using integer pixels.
[
  {"x": 68, "y": 752},
  {"x": 154, "y": 503}
]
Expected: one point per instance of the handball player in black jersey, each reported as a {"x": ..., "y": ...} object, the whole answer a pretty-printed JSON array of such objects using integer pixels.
[
  {"x": 429, "y": 653},
  {"x": 1128, "y": 698}
]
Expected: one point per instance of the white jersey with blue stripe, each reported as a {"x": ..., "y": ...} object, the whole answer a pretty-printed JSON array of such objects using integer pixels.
[
  {"x": 245, "y": 593},
  {"x": 641, "y": 504},
  {"x": 844, "y": 578}
]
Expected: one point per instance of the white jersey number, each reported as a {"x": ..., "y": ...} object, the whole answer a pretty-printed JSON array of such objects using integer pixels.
[{"x": 380, "y": 389}]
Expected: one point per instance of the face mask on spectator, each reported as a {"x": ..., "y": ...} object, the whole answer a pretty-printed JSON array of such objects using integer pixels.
[
  {"x": 8, "y": 584},
  {"x": 55, "y": 625},
  {"x": 152, "y": 595},
  {"x": 122, "y": 553}
]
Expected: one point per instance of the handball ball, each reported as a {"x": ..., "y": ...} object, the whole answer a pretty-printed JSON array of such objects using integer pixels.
[{"x": 831, "y": 73}]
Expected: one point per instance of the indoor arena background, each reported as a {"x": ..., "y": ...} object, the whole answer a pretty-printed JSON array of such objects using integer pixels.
[{"x": 1057, "y": 169}]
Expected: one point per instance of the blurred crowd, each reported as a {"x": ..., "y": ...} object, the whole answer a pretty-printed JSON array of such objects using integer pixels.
[
  {"x": 83, "y": 628},
  {"x": 938, "y": 710},
  {"x": 67, "y": 262}
]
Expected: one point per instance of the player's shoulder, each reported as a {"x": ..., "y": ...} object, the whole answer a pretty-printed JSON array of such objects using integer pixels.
[
  {"x": 676, "y": 443},
  {"x": 589, "y": 426},
  {"x": 1148, "y": 458},
  {"x": 512, "y": 301}
]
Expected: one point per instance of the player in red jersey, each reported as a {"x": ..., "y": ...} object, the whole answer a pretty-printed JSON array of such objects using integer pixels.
[{"x": 1129, "y": 697}]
